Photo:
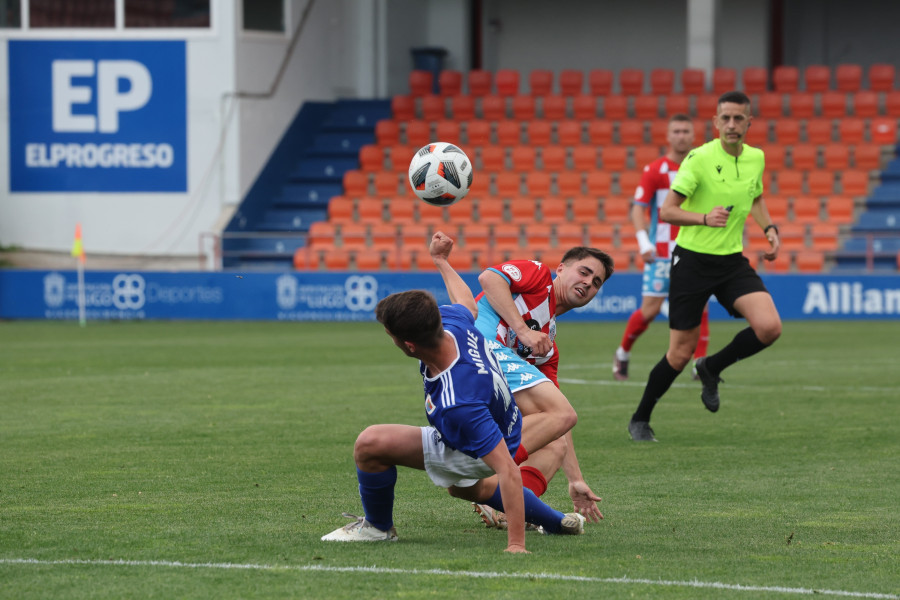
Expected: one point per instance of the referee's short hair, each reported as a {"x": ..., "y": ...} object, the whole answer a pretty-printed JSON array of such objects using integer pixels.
[{"x": 734, "y": 97}]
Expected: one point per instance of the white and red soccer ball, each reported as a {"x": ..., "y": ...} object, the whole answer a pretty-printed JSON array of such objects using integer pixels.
[{"x": 440, "y": 174}]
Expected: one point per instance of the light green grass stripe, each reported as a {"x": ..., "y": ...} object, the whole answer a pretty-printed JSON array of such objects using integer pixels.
[{"x": 444, "y": 572}]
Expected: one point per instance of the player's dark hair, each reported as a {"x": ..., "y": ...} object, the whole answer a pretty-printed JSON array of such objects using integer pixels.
[
  {"x": 680, "y": 117},
  {"x": 411, "y": 316},
  {"x": 580, "y": 252},
  {"x": 734, "y": 97}
]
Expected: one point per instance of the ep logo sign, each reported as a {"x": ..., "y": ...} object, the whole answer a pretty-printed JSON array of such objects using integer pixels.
[{"x": 97, "y": 116}]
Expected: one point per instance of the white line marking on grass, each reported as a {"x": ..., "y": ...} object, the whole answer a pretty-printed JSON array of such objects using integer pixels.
[
  {"x": 444, "y": 572},
  {"x": 696, "y": 384}
]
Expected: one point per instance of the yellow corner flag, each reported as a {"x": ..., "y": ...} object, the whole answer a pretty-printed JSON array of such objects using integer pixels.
[{"x": 77, "y": 248}]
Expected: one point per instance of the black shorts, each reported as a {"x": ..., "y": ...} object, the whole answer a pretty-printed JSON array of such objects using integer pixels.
[{"x": 696, "y": 276}]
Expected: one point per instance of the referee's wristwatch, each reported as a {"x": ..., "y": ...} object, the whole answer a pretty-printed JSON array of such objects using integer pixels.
[{"x": 770, "y": 226}]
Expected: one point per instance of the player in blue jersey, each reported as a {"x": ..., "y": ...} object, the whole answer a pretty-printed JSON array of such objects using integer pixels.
[{"x": 475, "y": 426}]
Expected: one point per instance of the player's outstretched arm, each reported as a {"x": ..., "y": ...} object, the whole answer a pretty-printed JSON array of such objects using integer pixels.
[
  {"x": 510, "y": 477},
  {"x": 583, "y": 499},
  {"x": 440, "y": 248}
]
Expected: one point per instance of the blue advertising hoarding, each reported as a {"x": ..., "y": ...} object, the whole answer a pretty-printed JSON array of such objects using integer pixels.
[
  {"x": 97, "y": 116},
  {"x": 301, "y": 296}
]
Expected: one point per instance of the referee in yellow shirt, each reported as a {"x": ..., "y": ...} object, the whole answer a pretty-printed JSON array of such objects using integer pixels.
[{"x": 716, "y": 187}]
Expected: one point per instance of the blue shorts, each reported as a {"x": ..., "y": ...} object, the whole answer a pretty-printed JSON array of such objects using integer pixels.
[
  {"x": 519, "y": 373},
  {"x": 656, "y": 278}
]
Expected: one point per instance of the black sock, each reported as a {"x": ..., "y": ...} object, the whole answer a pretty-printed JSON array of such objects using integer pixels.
[
  {"x": 659, "y": 382},
  {"x": 744, "y": 345}
]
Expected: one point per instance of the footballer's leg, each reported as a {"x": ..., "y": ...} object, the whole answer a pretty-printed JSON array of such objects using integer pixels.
[{"x": 547, "y": 415}]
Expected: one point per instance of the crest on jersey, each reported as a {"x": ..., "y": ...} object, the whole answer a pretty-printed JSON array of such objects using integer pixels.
[
  {"x": 513, "y": 271},
  {"x": 429, "y": 405}
]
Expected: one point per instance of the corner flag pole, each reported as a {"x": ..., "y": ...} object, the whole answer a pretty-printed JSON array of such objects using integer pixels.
[{"x": 78, "y": 252}]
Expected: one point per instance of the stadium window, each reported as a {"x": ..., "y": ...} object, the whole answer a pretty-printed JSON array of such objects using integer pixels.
[
  {"x": 176, "y": 13},
  {"x": 72, "y": 13},
  {"x": 10, "y": 14},
  {"x": 264, "y": 15}
]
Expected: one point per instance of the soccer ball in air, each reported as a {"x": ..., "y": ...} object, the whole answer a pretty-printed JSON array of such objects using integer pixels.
[{"x": 440, "y": 174}]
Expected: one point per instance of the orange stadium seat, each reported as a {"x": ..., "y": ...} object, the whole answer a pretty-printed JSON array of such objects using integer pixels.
[
  {"x": 839, "y": 209},
  {"x": 883, "y": 130},
  {"x": 677, "y": 104},
  {"x": 540, "y": 82},
  {"x": 804, "y": 157},
  {"x": 450, "y": 82},
  {"x": 836, "y": 156},
  {"x": 662, "y": 81},
  {"x": 403, "y": 108},
  {"x": 865, "y": 103},
  {"x": 866, "y": 157},
  {"x": 881, "y": 77},
  {"x": 371, "y": 158},
  {"x": 819, "y": 130},
  {"x": 820, "y": 182},
  {"x": 336, "y": 259},
  {"x": 493, "y": 107},
  {"x": 756, "y": 80},
  {"x": 646, "y": 154},
  {"x": 386, "y": 184},
  {"x": 892, "y": 103},
  {"x": 789, "y": 183},
  {"x": 646, "y": 106},
  {"x": 400, "y": 156},
  {"x": 370, "y": 209},
  {"x": 553, "y": 158},
  {"x": 757, "y": 134},
  {"x": 693, "y": 81},
  {"x": 787, "y": 130},
  {"x": 568, "y": 132},
  {"x": 571, "y": 234},
  {"x": 614, "y": 158},
  {"x": 420, "y": 82},
  {"x": 433, "y": 107},
  {"x": 785, "y": 78},
  {"x": 428, "y": 214},
  {"x": 553, "y": 108},
  {"x": 600, "y": 132},
  {"x": 631, "y": 82},
  {"x": 809, "y": 261},
  {"x": 356, "y": 183},
  {"x": 571, "y": 82},
  {"x": 615, "y": 107},
  {"x": 418, "y": 132},
  {"x": 509, "y": 132},
  {"x": 387, "y": 132},
  {"x": 706, "y": 106},
  {"x": 817, "y": 78},
  {"x": 306, "y": 259},
  {"x": 584, "y": 107},
  {"x": 854, "y": 183},
  {"x": 478, "y": 132},
  {"x": 851, "y": 130},
  {"x": 524, "y": 108},
  {"x": 770, "y": 105},
  {"x": 554, "y": 209},
  {"x": 598, "y": 184},
  {"x": 807, "y": 209},
  {"x": 659, "y": 132},
  {"x": 834, "y": 104},
  {"x": 584, "y": 157},
  {"x": 848, "y": 77},
  {"x": 600, "y": 82},
  {"x": 523, "y": 158},
  {"x": 353, "y": 234},
  {"x": 617, "y": 209},
  {"x": 584, "y": 208},
  {"x": 628, "y": 182},
  {"x": 568, "y": 183},
  {"x": 367, "y": 260},
  {"x": 460, "y": 213},
  {"x": 402, "y": 210},
  {"x": 777, "y": 206},
  {"x": 508, "y": 184},
  {"x": 481, "y": 82},
  {"x": 537, "y": 184},
  {"x": 524, "y": 209},
  {"x": 539, "y": 132},
  {"x": 775, "y": 156},
  {"x": 447, "y": 130},
  {"x": 825, "y": 236},
  {"x": 802, "y": 105},
  {"x": 462, "y": 107},
  {"x": 631, "y": 132},
  {"x": 507, "y": 82},
  {"x": 724, "y": 80},
  {"x": 340, "y": 208},
  {"x": 490, "y": 210}
]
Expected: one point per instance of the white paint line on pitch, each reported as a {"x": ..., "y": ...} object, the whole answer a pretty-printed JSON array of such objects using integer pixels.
[
  {"x": 696, "y": 384},
  {"x": 444, "y": 572}
]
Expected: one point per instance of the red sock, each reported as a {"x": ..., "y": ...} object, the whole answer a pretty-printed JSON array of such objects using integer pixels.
[
  {"x": 534, "y": 480},
  {"x": 636, "y": 326},
  {"x": 521, "y": 454},
  {"x": 703, "y": 342}
]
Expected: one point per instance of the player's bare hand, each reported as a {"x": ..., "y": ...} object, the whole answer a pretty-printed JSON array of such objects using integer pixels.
[
  {"x": 717, "y": 217},
  {"x": 585, "y": 501},
  {"x": 538, "y": 341},
  {"x": 774, "y": 246},
  {"x": 649, "y": 256},
  {"x": 440, "y": 246},
  {"x": 516, "y": 549}
]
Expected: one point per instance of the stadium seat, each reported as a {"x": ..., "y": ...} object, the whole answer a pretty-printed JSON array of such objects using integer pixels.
[
  {"x": 568, "y": 183},
  {"x": 706, "y": 106},
  {"x": 645, "y": 154},
  {"x": 793, "y": 236},
  {"x": 370, "y": 209},
  {"x": 677, "y": 104},
  {"x": 600, "y": 82},
  {"x": 509, "y": 132},
  {"x": 429, "y": 215},
  {"x": 537, "y": 185},
  {"x": 598, "y": 184},
  {"x": 448, "y": 130},
  {"x": 420, "y": 83},
  {"x": 571, "y": 82},
  {"x": 807, "y": 209},
  {"x": 403, "y": 107},
  {"x": 401, "y": 210},
  {"x": 387, "y": 132},
  {"x": 631, "y": 82},
  {"x": 356, "y": 183},
  {"x": 508, "y": 184},
  {"x": 478, "y": 132},
  {"x": 306, "y": 259},
  {"x": 881, "y": 77},
  {"x": 507, "y": 82},
  {"x": 855, "y": 183},
  {"x": 809, "y": 261},
  {"x": 662, "y": 81},
  {"x": 539, "y": 132},
  {"x": 785, "y": 78},
  {"x": 701, "y": 126},
  {"x": 553, "y": 157},
  {"x": 777, "y": 206},
  {"x": 817, "y": 78},
  {"x": 340, "y": 208},
  {"x": 883, "y": 130},
  {"x": 804, "y": 157},
  {"x": 540, "y": 82},
  {"x": 615, "y": 107},
  {"x": 839, "y": 209},
  {"x": 353, "y": 235},
  {"x": 433, "y": 107},
  {"x": 371, "y": 158},
  {"x": 368, "y": 260},
  {"x": 524, "y": 108},
  {"x": 756, "y": 80},
  {"x": 386, "y": 184},
  {"x": 865, "y": 103},
  {"x": 866, "y": 157},
  {"x": 836, "y": 157},
  {"x": 659, "y": 132},
  {"x": 724, "y": 80},
  {"x": 462, "y": 107},
  {"x": 628, "y": 182},
  {"x": 555, "y": 209},
  {"x": 825, "y": 236},
  {"x": 493, "y": 107},
  {"x": 570, "y": 234},
  {"x": 475, "y": 235},
  {"x": 802, "y": 105},
  {"x": 775, "y": 156},
  {"x": 600, "y": 132},
  {"x": 584, "y": 107},
  {"x": 481, "y": 186},
  {"x": 506, "y": 233},
  {"x": 789, "y": 183},
  {"x": 417, "y": 132},
  {"x": 892, "y": 103},
  {"x": 617, "y": 209},
  {"x": 631, "y": 132},
  {"x": 848, "y": 78},
  {"x": 490, "y": 210},
  {"x": 787, "y": 130},
  {"x": 614, "y": 158},
  {"x": 819, "y": 131},
  {"x": 834, "y": 104},
  {"x": 584, "y": 157},
  {"x": 820, "y": 182},
  {"x": 758, "y": 133},
  {"x": 493, "y": 158},
  {"x": 460, "y": 214},
  {"x": 646, "y": 106},
  {"x": 523, "y": 210},
  {"x": 481, "y": 82},
  {"x": 384, "y": 235},
  {"x": 450, "y": 82},
  {"x": 851, "y": 130},
  {"x": 584, "y": 208},
  {"x": 523, "y": 158},
  {"x": 770, "y": 105},
  {"x": 336, "y": 259},
  {"x": 568, "y": 132},
  {"x": 553, "y": 108},
  {"x": 693, "y": 81}
]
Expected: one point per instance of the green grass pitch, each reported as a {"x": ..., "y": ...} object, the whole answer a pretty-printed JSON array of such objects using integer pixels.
[{"x": 205, "y": 460}]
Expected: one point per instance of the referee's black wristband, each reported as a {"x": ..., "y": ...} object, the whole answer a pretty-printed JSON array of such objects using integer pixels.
[{"x": 772, "y": 226}]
